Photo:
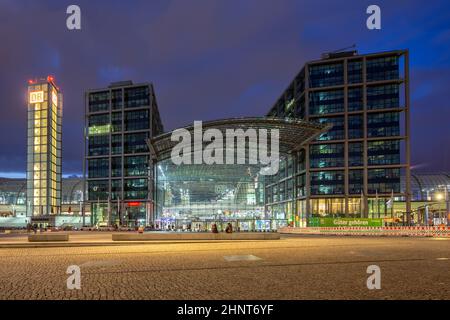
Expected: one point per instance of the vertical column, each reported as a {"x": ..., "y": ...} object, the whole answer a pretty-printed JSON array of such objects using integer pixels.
[
  {"x": 365, "y": 213},
  {"x": 109, "y": 207},
  {"x": 122, "y": 158},
  {"x": 150, "y": 206},
  {"x": 307, "y": 171},
  {"x": 407, "y": 141},
  {"x": 346, "y": 171},
  {"x": 294, "y": 188},
  {"x": 47, "y": 208},
  {"x": 83, "y": 213}
]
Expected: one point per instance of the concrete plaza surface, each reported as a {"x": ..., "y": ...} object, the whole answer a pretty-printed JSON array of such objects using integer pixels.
[
  {"x": 89, "y": 238},
  {"x": 295, "y": 267}
]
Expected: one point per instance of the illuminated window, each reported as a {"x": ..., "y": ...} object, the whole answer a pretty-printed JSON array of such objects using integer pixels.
[
  {"x": 96, "y": 130},
  {"x": 36, "y": 96},
  {"x": 54, "y": 98}
]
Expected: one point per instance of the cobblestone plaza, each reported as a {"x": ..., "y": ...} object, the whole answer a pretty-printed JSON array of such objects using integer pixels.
[{"x": 291, "y": 268}]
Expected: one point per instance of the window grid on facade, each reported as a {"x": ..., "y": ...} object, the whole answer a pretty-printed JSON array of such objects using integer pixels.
[
  {"x": 373, "y": 134},
  {"x": 119, "y": 120},
  {"x": 44, "y": 149}
]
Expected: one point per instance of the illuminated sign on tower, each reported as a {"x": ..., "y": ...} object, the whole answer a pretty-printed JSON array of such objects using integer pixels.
[{"x": 44, "y": 148}]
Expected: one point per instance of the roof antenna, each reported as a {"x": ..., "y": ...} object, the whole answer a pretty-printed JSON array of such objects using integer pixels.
[
  {"x": 353, "y": 46},
  {"x": 340, "y": 52}
]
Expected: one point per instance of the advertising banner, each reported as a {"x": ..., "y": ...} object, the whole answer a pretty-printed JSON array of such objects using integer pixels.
[{"x": 345, "y": 222}]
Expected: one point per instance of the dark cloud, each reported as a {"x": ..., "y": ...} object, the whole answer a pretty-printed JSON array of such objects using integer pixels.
[{"x": 210, "y": 59}]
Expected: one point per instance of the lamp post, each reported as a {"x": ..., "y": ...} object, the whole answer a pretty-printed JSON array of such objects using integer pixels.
[
  {"x": 444, "y": 197},
  {"x": 83, "y": 216},
  {"x": 119, "y": 212},
  {"x": 447, "y": 206}
]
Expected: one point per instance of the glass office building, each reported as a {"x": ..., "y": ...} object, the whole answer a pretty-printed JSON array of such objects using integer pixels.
[
  {"x": 427, "y": 189},
  {"x": 119, "y": 120},
  {"x": 352, "y": 169},
  {"x": 44, "y": 149},
  {"x": 197, "y": 195}
]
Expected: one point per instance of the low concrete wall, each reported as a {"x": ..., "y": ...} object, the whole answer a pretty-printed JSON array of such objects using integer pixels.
[
  {"x": 157, "y": 236},
  {"x": 398, "y": 231},
  {"x": 48, "y": 237}
]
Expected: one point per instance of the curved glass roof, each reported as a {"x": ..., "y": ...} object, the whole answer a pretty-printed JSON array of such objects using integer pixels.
[
  {"x": 293, "y": 133},
  {"x": 422, "y": 184},
  {"x": 13, "y": 191}
]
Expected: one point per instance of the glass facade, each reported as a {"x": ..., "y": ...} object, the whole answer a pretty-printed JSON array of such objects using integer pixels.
[
  {"x": 137, "y": 120},
  {"x": 383, "y": 124},
  {"x": 135, "y": 143},
  {"x": 338, "y": 174},
  {"x": 383, "y": 152},
  {"x": 355, "y": 154},
  {"x": 326, "y": 155},
  {"x": 383, "y": 68},
  {"x": 337, "y": 132},
  {"x": 202, "y": 194},
  {"x": 355, "y": 181},
  {"x": 135, "y": 166},
  {"x": 363, "y": 99},
  {"x": 327, "y": 182},
  {"x": 136, "y": 97},
  {"x": 327, "y": 207},
  {"x": 13, "y": 200},
  {"x": 354, "y": 71},
  {"x": 99, "y": 101},
  {"x": 324, "y": 102},
  {"x": 326, "y": 75},
  {"x": 98, "y": 168},
  {"x": 44, "y": 148},
  {"x": 355, "y": 99},
  {"x": 384, "y": 180},
  {"x": 355, "y": 126},
  {"x": 383, "y": 97},
  {"x": 119, "y": 120}
]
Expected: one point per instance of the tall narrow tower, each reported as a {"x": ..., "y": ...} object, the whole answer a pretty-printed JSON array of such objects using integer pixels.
[{"x": 44, "y": 149}]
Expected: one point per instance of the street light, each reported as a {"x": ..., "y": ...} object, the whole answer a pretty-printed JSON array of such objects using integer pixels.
[
  {"x": 81, "y": 193},
  {"x": 443, "y": 196}
]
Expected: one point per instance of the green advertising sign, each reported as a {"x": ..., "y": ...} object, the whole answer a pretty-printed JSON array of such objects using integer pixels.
[{"x": 345, "y": 222}]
